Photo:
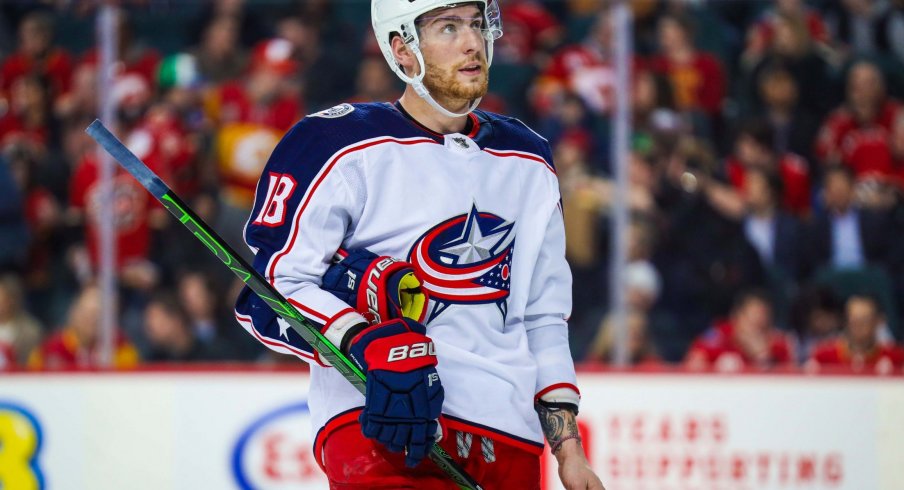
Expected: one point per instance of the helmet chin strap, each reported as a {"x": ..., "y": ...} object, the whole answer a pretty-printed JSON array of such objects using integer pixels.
[
  {"x": 421, "y": 90},
  {"x": 418, "y": 84}
]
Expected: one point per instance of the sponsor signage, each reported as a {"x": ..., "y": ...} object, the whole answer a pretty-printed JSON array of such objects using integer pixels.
[{"x": 251, "y": 430}]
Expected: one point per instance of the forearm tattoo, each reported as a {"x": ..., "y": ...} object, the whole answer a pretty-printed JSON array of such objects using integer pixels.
[{"x": 559, "y": 424}]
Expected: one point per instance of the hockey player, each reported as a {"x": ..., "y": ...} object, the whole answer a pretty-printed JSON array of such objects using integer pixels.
[{"x": 431, "y": 198}]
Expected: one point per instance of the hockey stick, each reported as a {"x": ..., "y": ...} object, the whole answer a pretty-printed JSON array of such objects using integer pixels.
[{"x": 254, "y": 280}]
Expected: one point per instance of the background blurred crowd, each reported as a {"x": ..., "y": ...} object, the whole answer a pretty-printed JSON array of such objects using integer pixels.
[{"x": 765, "y": 176}]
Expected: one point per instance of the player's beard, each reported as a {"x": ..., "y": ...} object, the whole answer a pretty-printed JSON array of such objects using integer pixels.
[{"x": 444, "y": 85}]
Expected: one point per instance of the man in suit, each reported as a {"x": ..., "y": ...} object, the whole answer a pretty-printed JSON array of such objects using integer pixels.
[{"x": 844, "y": 235}]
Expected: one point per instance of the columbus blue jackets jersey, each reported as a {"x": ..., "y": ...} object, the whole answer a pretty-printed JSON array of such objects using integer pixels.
[{"x": 477, "y": 214}]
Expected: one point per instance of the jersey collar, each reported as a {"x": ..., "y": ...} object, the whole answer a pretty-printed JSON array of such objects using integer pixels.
[{"x": 472, "y": 126}]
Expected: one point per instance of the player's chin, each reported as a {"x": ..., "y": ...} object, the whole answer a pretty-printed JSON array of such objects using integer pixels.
[{"x": 473, "y": 84}]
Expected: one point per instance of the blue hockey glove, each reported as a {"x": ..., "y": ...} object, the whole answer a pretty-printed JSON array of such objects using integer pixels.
[
  {"x": 379, "y": 287},
  {"x": 404, "y": 396}
]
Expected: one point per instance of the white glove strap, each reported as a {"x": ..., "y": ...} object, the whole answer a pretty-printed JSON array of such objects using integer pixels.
[
  {"x": 336, "y": 331},
  {"x": 562, "y": 395}
]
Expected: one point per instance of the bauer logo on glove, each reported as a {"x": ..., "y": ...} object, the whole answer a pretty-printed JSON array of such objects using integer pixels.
[{"x": 391, "y": 289}]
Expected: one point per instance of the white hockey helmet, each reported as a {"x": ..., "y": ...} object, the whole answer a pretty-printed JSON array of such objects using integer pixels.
[{"x": 398, "y": 16}]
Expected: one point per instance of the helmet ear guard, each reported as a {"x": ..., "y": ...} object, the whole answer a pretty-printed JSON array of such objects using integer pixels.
[{"x": 397, "y": 17}]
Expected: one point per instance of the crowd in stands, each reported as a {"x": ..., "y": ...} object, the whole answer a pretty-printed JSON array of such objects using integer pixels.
[{"x": 766, "y": 169}]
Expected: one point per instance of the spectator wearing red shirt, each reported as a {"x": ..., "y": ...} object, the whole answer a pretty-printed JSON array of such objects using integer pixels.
[
  {"x": 135, "y": 57},
  {"x": 747, "y": 338},
  {"x": 754, "y": 148},
  {"x": 761, "y": 34},
  {"x": 698, "y": 79},
  {"x": 266, "y": 96},
  {"x": 585, "y": 69},
  {"x": 857, "y": 133},
  {"x": 78, "y": 106},
  {"x": 134, "y": 211},
  {"x": 860, "y": 347},
  {"x": 36, "y": 55},
  {"x": 131, "y": 208},
  {"x": 76, "y": 345},
  {"x": 28, "y": 120}
]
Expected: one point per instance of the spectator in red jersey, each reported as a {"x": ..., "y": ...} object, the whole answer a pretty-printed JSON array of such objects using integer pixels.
[
  {"x": 131, "y": 213},
  {"x": 762, "y": 33},
  {"x": 697, "y": 78},
  {"x": 80, "y": 102},
  {"x": 134, "y": 56},
  {"x": 28, "y": 121},
  {"x": 857, "y": 133},
  {"x": 176, "y": 125},
  {"x": 268, "y": 96},
  {"x": 135, "y": 212},
  {"x": 20, "y": 332},
  {"x": 76, "y": 345},
  {"x": 585, "y": 69},
  {"x": 860, "y": 346},
  {"x": 747, "y": 338},
  {"x": 36, "y": 55},
  {"x": 754, "y": 148}
]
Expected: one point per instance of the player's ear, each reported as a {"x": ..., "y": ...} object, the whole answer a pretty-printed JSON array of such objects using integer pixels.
[{"x": 403, "y": 54}]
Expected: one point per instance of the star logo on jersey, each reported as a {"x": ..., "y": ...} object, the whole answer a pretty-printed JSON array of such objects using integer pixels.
[{"x": 466, "y": 259}]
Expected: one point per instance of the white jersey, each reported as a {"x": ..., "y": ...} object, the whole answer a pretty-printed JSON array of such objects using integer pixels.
[{"x": 479, "y": 217}]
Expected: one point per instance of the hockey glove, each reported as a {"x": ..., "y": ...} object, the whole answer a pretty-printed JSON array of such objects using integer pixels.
[
  {"x": 404, "y": 396},
  {"x": 380, "y": 288}
]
